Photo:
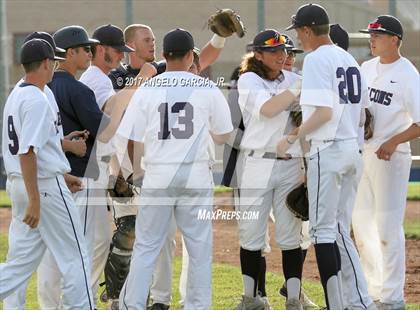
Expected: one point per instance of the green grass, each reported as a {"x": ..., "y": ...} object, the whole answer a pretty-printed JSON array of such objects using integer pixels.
[
  {"x": 4, "y": 200},
  {"x": 227, "y": 287},
  {"x": 413, "y": 191},
  {"x": 412, "y": 229}
]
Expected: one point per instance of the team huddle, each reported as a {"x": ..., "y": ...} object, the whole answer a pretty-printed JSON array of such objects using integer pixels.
[{"x": 135, "y": 142}]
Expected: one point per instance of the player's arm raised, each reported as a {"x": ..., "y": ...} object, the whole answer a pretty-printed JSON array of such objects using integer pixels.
[{"x": 117, "y": 104}]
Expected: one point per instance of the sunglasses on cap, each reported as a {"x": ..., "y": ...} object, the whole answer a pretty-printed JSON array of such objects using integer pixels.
[
  {"x": 375, "y": 26},
  {"x": 277, "y": 40}
]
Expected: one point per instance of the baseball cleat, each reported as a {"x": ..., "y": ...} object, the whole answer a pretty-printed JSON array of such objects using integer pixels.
[
  {"x": 293, "y": 304},
  {"x": 158, "y": 306},
  {"x": 267, "y": 305},
  {"x": 395, "y": 306},
  {"x": 250, "y": 303},
  {"x": 306, "y": 302}
]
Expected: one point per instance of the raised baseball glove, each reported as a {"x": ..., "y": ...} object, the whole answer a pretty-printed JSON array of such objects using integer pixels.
[
  {"x": 119, "y": 188},
  {"x": 297, "y": 202},
  {"x": 368, "y": 125},
  {"x": 225, "y": 22}
]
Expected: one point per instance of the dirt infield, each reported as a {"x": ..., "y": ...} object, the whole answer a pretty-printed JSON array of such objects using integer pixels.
[{"x": 226, "y": 249}]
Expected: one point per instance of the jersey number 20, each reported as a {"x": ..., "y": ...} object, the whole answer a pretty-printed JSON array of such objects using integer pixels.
[
  {"x": 350, "y": 86},
  {"x": 185, "y": 120},
  {"x": 14, "y": 145}
]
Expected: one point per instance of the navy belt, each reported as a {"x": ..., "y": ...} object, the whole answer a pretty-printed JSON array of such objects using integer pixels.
[{"x": 271, "y": 155}]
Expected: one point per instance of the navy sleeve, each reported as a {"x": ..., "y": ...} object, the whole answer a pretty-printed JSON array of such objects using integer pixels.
[{"x": 87, "y": 111}]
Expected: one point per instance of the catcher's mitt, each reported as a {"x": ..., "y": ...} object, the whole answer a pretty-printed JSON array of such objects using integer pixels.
[
  {"x": 368, "y": 125},
  {"x": 225, "y": 22},
  {"x": 297, "y": 202},
  {"x": 119, "y": 189},
  {"x": 296, "y": 117}
]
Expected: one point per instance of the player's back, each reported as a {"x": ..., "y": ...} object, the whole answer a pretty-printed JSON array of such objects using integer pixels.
[
  {"x": 177, "y": 111},
  {"x": 173, "y": 114},
  {"x": 331, "y": 77}
]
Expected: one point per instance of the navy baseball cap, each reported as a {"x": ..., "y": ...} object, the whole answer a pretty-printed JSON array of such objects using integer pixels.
[
  {"x": 45, "y": 36},
  {"x": 339, "y": 36},
  {"x": 385, "y": 24},
  {"x": 113, "y": 36},
  {"x": 269, "y": 40},
  {"x": 71, "y": 36},
  {"x": 309, "y": 15},
  {"x": 37, "y": 50},
  {"x": 290, "y": 42},
  {"x": 177, "y": 40}
]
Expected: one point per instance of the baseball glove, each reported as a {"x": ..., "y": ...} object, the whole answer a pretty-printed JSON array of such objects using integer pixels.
[
  {"x": 368, "y": 125},
  {"x": 120, "y": 189},
  {"x": 296, "y": 117},
  {"x": 225, "y": 22},
  {"x": 297, "y": 202}
]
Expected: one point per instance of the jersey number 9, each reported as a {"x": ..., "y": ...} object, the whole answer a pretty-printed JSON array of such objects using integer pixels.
[
  {"x": 349, "y": 86},
  {"x": 14, "y": 145},
  {"x": 185, "y": 120}
]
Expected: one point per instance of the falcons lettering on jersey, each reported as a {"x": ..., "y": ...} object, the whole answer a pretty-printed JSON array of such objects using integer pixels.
[{"x": 380, "y": 96}]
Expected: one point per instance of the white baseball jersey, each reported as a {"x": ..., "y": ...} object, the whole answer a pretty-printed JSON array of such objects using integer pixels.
[
  {"x": 29, "y": 120},
  {"x": 99, "y": 82},
  {"x": 332, "y": 79},
  {"x": 395, "y": 99},
  {"x": 173, "y": 114},
  {"x": 262, "y": 133},
  {"x": 53, "y": 104}
]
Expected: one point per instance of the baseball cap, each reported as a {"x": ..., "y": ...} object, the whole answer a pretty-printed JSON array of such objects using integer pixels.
[
  {"x": 37, "y": 50},
  {"x": 339, "y": 36},
  {"x": 45, "y": 36},
  {"x": 290, "y": 42},
  {"x": 309, "y": 15},
  {"x": 71, "y": 36},
  {"x": 177, "y": 40},
  {"x": 113, "y": 36},
  {"x": 385, "y": 24},
  {"x": 269, "y": 40}
]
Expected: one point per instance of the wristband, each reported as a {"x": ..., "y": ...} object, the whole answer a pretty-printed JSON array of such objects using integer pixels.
[{"x": 217, "y": 41}]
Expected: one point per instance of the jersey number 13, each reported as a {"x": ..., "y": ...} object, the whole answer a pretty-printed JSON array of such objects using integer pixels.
[{"x": 185, "y": 120}]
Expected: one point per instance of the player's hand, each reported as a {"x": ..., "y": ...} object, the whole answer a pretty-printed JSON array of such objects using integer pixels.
[
  {"x": 282, "y": 147},
  {"x": 77, "y": 134},
  {"x": 73, "y": 183},
  {"x": 386, "y": 150},
  {"x": 147, "y": 71},
  {"x": 78, "y": 147},
  {"x": 32, "y": 214}
]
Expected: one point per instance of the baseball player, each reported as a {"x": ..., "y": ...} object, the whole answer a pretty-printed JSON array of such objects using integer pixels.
[
  {"x": 381, "y": 197},
  {"x": 266, "y": 91},
  {"x": 44, "y": 214},
  {"x": 333, "y": 94},
  {"x": 107, "y": 56},
  {"x": 69, "y": 145},
  {"x": 79, "y": 111},
  {"x": 174, "y": 125},
  {"x": 307, "y": 303},
  {"x": 141, "y": 39}
]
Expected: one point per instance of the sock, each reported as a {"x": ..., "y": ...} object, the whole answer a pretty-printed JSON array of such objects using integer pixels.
[
  {"x": 326, "y": 257},
  {"x": 250, "y": 265},
  {"x": 304, "y": 252},
  {"x": 292, "y": 270},
  {"x": 261, "y": 278}
]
